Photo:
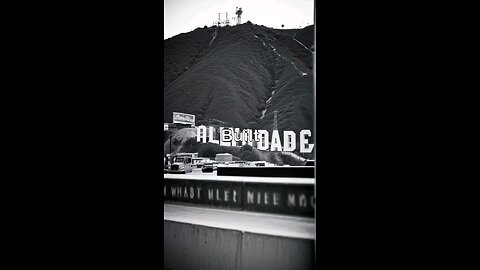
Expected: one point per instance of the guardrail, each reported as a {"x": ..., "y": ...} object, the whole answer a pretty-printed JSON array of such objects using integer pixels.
[{"x": 290, "y": 196}]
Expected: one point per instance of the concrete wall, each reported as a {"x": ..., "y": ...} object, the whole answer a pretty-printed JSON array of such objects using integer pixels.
[
  {"x": 192, "y": 247},
  {"x": 279, "y": 198}
]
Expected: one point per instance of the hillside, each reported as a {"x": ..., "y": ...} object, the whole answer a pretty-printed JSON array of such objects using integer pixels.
[
  {"x": 306, "y": 36},
  {"x": 240, "y": 75},
  {"x": 182, "y": 51}
]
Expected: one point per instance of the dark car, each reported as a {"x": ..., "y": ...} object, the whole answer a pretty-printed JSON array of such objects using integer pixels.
[{"x": 207, "y": 167}]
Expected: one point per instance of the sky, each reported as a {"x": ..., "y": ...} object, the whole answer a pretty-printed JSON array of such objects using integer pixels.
[{"x": 182, "y": 16}]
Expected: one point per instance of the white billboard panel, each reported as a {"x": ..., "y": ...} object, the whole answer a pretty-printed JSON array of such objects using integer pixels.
[{"x": 183, "y": 118}]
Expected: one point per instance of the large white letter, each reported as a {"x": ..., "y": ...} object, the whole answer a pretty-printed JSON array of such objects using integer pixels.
[
  {"x": 289, "y": 141},
  {"x": 247, "y": 137},
  {"x": 304, "y": 141},
  {"x": 202, "y": 134},
  {"x": 211, "y": 134},
  {"x": 276, "y": 144},
  {"x": 226, "y": 136},
  {"x": 237, "y": 137},
  {"x": 263, "y": 143}
]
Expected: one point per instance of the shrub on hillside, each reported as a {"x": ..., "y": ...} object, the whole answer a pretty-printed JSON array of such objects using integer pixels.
[
  {"x": 249, "y": 156},
  {"x": 272, "y": 158},
  {"x": 191, "y": 146},
  {"x": 307, "y": 155},
  {"x": 291, "y": 161},
  {"x": 231, "y": 149},
  {"x": 209, "y": 150},
  {"x": 245, "y": 148},
  {"x": 247, "y": 153}
]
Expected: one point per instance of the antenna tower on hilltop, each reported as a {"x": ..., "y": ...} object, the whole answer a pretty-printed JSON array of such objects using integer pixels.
[
  {"x": 227, "y": 22},
  {"x": 239, "y": 15}
]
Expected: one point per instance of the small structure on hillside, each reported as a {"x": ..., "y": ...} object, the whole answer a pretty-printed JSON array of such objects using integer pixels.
[
  {"x": 225, "y": 157},
  {"x": 239, "y": 15}
]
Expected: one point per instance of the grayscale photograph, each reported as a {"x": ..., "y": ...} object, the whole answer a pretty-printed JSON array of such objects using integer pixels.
[{"x": 238, "y": 138}]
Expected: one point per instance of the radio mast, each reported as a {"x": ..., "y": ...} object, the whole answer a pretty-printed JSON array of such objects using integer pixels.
[
  {"x": 239, "y": 15},
  {"x": 227, "y": 22}
]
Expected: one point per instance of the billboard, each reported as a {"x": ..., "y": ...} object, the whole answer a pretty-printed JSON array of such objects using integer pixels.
[{"x": 183, "y": 118}]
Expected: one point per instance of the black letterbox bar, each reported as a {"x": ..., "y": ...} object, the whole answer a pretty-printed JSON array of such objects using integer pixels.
[{"x": 276, "y": 171}]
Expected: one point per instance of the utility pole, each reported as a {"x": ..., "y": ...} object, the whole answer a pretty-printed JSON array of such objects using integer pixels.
[{"x": 227, "y": 22}]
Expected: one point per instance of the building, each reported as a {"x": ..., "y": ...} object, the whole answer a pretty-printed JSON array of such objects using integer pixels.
[{"x": 225, "y": 157}]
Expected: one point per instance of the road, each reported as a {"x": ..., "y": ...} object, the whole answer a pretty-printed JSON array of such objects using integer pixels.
[
  {"x": 198, "y": 175},
  {"x": 261, "y": 223}
]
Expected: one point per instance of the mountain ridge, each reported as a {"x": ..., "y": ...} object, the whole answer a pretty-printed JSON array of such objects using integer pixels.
[{"x": 241, "y": 75}]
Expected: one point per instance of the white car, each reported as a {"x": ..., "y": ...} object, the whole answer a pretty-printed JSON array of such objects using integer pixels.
[{"x": 215, "y": 165}]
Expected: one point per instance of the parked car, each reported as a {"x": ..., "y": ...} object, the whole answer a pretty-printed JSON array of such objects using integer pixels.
[
  {"x": 207, "y": 167},
  {"x": 182, "y": 163},
  {"x": 262, "y": 164}
]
